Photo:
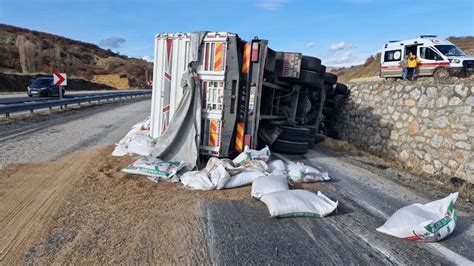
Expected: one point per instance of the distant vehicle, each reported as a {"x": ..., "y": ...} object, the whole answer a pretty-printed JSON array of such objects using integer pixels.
[
  {"x": 439, "y": 58},
  {"x": 43, "y": 87}
]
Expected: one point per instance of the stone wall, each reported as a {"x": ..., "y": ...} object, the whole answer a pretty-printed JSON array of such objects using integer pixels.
[{"x": 428, "y": 128}]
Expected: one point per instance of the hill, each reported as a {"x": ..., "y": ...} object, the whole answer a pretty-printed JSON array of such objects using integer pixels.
[
  {"x": 371, "y": 66},
  {"x": 24, "y": 51}
]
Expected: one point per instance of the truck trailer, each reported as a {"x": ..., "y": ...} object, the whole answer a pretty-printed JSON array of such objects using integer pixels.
[{"x": 251, "y": 94}]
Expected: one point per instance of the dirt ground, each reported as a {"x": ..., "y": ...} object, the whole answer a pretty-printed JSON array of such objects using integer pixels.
[{"x": 87, "y": 211}]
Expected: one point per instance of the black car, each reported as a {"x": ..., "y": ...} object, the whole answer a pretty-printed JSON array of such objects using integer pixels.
[{"x": 43, "y": 87}]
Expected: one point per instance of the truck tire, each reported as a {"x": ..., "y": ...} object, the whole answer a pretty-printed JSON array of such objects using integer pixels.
[
  {"x": 341, "y": 88},
  {"x": 311, "y": 142},
  {"x": 312, "y": 130},
  {"x": 310, "y": 63},
  {"x": 289, "y": 147},
  {"x": 318, "y": 138},
  {"x": 310, "y": 79},
  {"x": 330, "y": 78},
  {"x": 301, "y": 134}
]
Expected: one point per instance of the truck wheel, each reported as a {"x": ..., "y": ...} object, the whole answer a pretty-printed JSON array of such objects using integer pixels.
[
  {"x": 318, "y": 138},
  {"x": 341, "y": 88},
  {"x": 290, "y": 147},
  {"x": 312, "y": 130},
  {"x": 311, "y": 142},
  {"x": 310, "y": 63},
  {"x": 441, "y": 73},
  {"x": 330, "y": 78},
  {"x": 310, "y": 79},
  {"x": 294, "y": 134}
]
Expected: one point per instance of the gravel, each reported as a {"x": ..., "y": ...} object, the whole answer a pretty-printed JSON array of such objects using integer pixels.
[{"x": 46, "y": 138}]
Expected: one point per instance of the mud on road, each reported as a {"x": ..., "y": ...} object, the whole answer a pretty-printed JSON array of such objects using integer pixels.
[{"x": 82, "y": 209}]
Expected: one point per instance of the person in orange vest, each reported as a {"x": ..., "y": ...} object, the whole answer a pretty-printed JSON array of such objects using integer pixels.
[{"x": 412, "y": 63}]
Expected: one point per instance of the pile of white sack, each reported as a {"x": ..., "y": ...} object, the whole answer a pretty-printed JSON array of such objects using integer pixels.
[{"x": 137, "y": 140}]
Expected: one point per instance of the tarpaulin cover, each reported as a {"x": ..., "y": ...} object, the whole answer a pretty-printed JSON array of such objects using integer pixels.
[{"x": 180, "y": 141}]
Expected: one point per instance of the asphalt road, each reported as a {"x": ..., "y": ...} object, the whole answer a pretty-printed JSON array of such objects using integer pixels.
[
  {"x": 22, "y": 97},
  {"x": 241, "y": 232}
]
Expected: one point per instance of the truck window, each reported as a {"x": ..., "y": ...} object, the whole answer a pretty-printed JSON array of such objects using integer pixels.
[
  {"x": 429, "y": 54},
  {"x": 393, "y": 55}
]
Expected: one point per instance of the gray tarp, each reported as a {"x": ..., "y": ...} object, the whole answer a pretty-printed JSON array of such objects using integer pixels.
[{"x": 180, "y": 141}]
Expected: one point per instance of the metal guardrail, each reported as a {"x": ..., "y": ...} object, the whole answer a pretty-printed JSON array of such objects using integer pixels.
[{"x": 31, "y": 106}]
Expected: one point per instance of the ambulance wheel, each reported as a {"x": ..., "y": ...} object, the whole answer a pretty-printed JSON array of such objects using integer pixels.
[
  {"x": 295, "y": 133},
  {"x": 441, "y": 73},
  {"x": 290, "y": 147},
  {"x": 330, "y": 78},
  {"x": 310, "y": 63}
]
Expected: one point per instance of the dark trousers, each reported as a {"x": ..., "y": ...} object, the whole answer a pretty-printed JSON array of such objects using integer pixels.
[{"x": 410, "y": 72}]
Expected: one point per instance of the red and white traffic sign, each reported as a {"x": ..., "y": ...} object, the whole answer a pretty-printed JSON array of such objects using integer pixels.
[{"x": 60, "y": 79}]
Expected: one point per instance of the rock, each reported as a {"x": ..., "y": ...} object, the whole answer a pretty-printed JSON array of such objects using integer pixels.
[
  {"x": 437, "y": 165},
  {"x": 436, "y": 141},
  {"x": 414, "y": 111},
  {"x": 404, "y": 156},
  {"x": 460, "y": 172},
  {"x": 463, "y": 145},
  {"x": 432, "y": 92},
  {"x": 423, "y": 101},
  {"x": 413, "y": 129},
  {"x": 394, "y": 135},
  {"x": 441, "y": 102},
  {"x": 410, "y": 103},
  {"x": 461, "y": 90},
  {"x": 455, "y": 101},
  {"x": 463, "y": 110},
  {"x": 470, "y": 100},
  {"x": 415, "y": 94},
  {"x": 398, "y": 124},
  {"x": 404, "y": 117},
  {"x": 425, "y": 113},
  {"x": 458, "y": 136},
  {"x": 428, "y": 168},
  {"x": 377, "y": 139},
  {"x": 441, "y": 122},
  {"x": 395, "y": 115},
  {"x": 470, "y": 133},
  {"x": 385, "y": 133},
  {"x": 452, "y": 164}
]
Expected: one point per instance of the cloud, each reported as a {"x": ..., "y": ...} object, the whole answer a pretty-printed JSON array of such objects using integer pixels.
[
  {"x": 148, "y": 58},
  {"x": 340, "y": 46},
  {"x": 345, "y": 59},
  {"x": 112, "y": 42},
  {"x": 271, "y": 5},
  {"x": 310, "y": 44}
]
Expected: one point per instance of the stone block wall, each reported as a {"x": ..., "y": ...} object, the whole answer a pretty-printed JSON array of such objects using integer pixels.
[{"x": 429, "y": 128}]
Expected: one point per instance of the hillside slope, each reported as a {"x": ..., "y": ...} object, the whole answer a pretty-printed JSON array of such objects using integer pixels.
[
  {"x": 24, "y": 51},
  {"x": 371, "y": 66}
]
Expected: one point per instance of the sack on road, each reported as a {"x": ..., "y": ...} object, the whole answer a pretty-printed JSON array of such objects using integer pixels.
[
  {"x": 197, "y": 180},
  {"x": 428, "y": 222},
  {"x": 141, "y": 145},
  {"x": 276, "y": 165},
  {"x": 298, "y": 202},
  {"x": 275, "y": 182},
  {"x": 219, "y": 176},
  {"x": 299, "y": 172},
  {"x": 141, "y": 128},
  {"x": 243, "y": 178},
  {"x": 154, "y": 168},
  {"x": 252, "y": 155}
]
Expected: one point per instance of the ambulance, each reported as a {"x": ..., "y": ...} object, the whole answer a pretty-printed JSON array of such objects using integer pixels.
[{"x": 438, "y": 58}]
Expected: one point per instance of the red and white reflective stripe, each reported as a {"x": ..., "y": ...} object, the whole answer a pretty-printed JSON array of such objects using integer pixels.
[
  {"x": 246, "y": 59},
  {"x": 166, "y": 108}
]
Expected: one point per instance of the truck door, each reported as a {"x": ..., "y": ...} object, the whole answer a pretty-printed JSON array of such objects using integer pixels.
[
  {"x": 430, "y": 60},
  {"x": 391, "y": 63}
]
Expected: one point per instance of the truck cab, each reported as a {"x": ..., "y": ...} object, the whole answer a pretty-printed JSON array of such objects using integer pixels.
[{"x": 438, "y": 58}]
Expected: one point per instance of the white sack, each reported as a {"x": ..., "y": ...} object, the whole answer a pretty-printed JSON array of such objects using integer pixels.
[
  {"x": 219, "y": 176},
  {"x": 197, "y": 180},
  {"x": 428, "y": 222},
  {"x": 299, "y": 172},
  {"x": 275, "y": 182},
  {"x": 154, "y": 168},
  {"x": 298, "y": 202},
  {"x": 276, "y": 165},
  {"x": 252, "y": 155},
  {"x": 141, "y": 145},
  {"x": 243, "y": 178},
  {"x": 120, "y": 150},
  {"x": 141, "y": 128}
]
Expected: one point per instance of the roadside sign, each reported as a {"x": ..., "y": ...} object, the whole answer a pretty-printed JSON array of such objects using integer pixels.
[{"x": 60, "y": 79}]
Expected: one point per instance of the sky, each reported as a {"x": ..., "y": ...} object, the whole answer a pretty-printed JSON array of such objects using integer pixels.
[{"x": 340, "y": 32}]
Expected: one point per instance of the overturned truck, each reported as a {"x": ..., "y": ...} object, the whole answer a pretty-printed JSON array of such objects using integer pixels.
[{"x": 249, "y": 94}]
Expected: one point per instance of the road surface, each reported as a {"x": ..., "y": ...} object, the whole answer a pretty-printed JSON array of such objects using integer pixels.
[{"x": 83, "y": 209}]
